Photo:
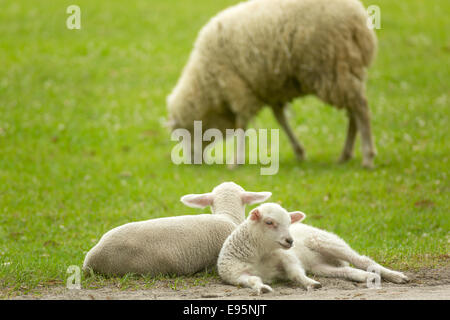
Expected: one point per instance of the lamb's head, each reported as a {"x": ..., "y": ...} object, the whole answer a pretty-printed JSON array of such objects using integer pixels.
[
  {"x": 271, "y": 223},
  {"x": 227, "y": 197}
]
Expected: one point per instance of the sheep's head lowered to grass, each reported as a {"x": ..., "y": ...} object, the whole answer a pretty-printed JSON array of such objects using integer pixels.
[{"x": 242, "y": 62}]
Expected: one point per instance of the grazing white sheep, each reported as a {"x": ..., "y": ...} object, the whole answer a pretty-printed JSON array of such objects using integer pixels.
[
  {"x": 268, "y": 52},
  {"x": 179, "y": 245},
  {"x": 257, "y": 251}
]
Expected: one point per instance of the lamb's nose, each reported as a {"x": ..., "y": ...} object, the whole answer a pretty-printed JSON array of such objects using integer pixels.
[{"x": 290, "y": 241}]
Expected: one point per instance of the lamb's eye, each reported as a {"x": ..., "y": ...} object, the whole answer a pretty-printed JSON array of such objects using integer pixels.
[{"x": 269, "y": 223}]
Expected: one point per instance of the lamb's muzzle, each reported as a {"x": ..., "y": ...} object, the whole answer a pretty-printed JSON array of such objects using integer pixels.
[{"x": 288, "y": 242}]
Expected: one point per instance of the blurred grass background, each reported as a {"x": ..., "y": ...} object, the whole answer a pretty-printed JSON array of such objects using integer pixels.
[{"x": 82, "y": 148}]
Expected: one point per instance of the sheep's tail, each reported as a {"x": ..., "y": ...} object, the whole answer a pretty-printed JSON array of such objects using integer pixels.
[
  {"x": 366, "y": 40},
  {"x": 368, "y": 45}
]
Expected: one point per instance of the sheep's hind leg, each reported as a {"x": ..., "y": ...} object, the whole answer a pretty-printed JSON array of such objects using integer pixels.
[
  {"x": 362, "y": 116},
  {"x": 365, "y": 263},
  {"x": 280, "y": 115},
  {"x": 344, "y": 272},
  {"x": 347, "y": 152},
  {"x": 254, "y": 283},
  {"x": 340, "y": 250}
]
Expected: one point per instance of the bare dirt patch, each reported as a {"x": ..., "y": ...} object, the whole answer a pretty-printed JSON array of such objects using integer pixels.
[{"x": 424, "y": 284}]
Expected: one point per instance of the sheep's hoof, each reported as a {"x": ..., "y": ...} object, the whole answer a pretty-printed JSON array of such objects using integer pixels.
[
  {"x": 232, "y": 166},
  {"x": 397, "y": 277},
  {"x": 88, "y": 272},
  {"x": 263, "y": 289},
  {"x": 313, "y": 285},
  {"x": 345, "y": 157},
  {"x": 368, "y": 164},
  {"x": 300, "y": 155},
  {"x": 368, "y": 158}
]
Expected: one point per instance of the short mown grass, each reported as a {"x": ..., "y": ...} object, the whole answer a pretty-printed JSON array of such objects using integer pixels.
[{"x": 83, "y": 150}]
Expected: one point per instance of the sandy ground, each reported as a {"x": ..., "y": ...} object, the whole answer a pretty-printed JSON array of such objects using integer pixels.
[{"x": 424, "y": 284}]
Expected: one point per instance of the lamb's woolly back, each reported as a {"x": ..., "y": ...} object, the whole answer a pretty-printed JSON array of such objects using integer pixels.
[{"x": 174, "y": 245}]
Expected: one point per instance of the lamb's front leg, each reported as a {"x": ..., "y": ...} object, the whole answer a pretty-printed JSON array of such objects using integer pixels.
[
  {"x": 295, "y": 272},
  {"x": 254, "y": 282}
]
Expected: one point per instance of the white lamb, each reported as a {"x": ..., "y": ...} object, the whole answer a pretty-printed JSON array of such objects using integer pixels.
[
  {"x": 254, "y": 253},
  {"x": 179, "y": 245},
  {"x": 257, "y": 251},
  {"x": 269, "y": 52}
]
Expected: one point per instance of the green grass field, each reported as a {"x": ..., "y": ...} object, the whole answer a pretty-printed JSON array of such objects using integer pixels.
[{"x": 82, "y": 148}]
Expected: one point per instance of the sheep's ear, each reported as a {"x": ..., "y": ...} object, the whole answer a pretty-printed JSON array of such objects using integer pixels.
[
  {"x": 254, "y": 197},
  {"x": 255, "y": 215},
  {"x": 169, "y": 123},
  {"x": 198, "y": 200},
  {"x": 297, "y": 216}
]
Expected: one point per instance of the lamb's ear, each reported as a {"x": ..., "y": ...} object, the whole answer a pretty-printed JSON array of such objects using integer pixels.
[
  {"x": 297, "y": 216},
  {"x": 255, "y": 215},
  {"x": 198, "y": 200},
  {"x": 254, "y": 197}
]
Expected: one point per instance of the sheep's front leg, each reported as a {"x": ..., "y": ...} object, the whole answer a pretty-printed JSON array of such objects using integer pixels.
[
  {"x": 254, "y": 282},
  {"x": 280, "y": 115},
  {"x": 296, "y": 273},
  {"x": 239, "y": 154}
]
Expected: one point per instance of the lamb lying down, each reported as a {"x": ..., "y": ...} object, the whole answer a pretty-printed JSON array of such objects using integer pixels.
[
  {"x": 259, "y": 250},
  {"x": 180, "y": 245}
]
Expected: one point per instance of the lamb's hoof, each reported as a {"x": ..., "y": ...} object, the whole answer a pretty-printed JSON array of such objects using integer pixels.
[
  {"x": 88, "y": 272},
  {"x": 397, "y": 277},
  {"x": 263, "y": 289},
  {"x": 372, "y": 280},
  {"x": 313, "y": 285}
]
